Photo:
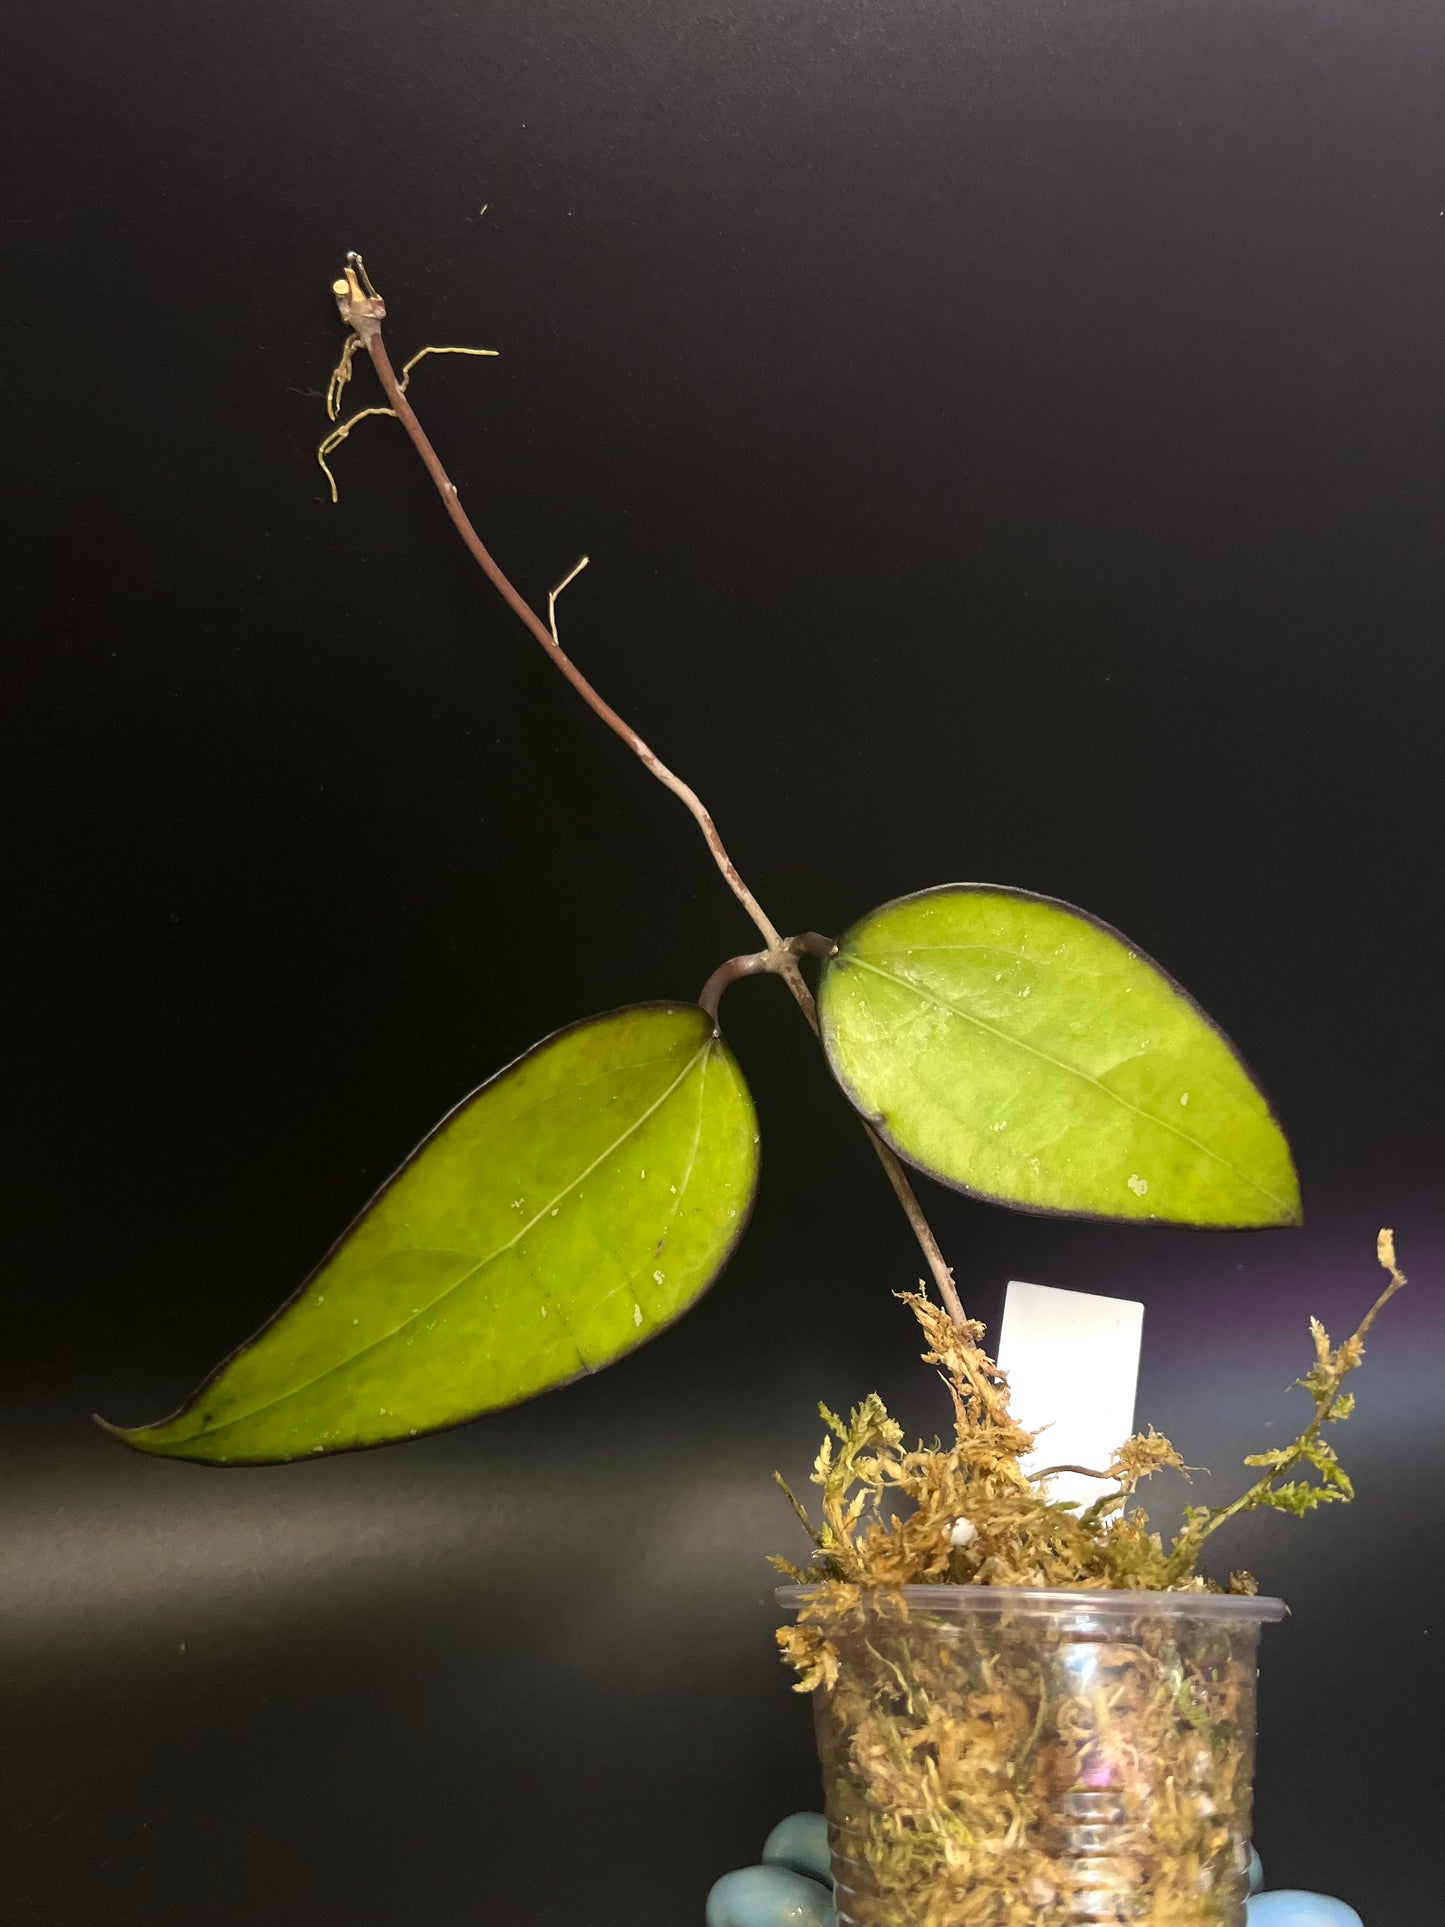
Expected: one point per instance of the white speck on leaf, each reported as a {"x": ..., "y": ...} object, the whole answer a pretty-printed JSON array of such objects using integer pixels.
[
  {"x": 519, "y": 1204},
  {"x": 657, "y": 1277},
  {"x": 555, "y": 1209},
  {"x": 1184, "y": 1097},
  {"x": 1026, "y": 989},
  {"x": 642, "y": 1174},
  {"x": 1002, "y": 1125},
  {"x": 1138, "y": 1185},
  {"x": 637, "y": 1314}
]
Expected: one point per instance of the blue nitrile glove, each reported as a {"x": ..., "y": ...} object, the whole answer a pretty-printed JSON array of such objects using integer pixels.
[{"x": 794, "y": 1888}]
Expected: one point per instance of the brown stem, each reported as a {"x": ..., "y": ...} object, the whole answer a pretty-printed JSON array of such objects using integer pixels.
[
  {"x": 365, "y": 313},
  {"x": 808, "y": 943},
  {"x": 710, "y": 996},
  {"x": 922, "y": 1230},
  {"x": 363, "y": 310}
]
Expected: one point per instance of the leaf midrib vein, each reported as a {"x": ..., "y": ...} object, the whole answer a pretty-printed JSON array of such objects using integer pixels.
[
  {"x": 629, "y": 1283},
  {"x": 1072, "y": 1070},
  {"x": 1029, "y": 958}
]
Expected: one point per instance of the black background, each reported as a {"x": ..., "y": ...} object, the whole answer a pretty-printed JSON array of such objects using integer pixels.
[{"x": 1008, "y": 438}]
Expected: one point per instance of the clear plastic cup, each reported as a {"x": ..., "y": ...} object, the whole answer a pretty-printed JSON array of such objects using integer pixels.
[{"x": 997, "y": 1757}]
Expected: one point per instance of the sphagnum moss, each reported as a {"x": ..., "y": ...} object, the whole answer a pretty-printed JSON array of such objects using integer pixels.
[{"x": 1018, "y": 1766}]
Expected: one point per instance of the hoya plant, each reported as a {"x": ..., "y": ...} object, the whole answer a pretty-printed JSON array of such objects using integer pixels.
[
  {"x": 1029, "y": 1712},
  {"x": 1003, "y": 1043}
]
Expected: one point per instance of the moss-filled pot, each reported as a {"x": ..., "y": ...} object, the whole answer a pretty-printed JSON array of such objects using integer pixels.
[{"x": 998, "y": 1757}]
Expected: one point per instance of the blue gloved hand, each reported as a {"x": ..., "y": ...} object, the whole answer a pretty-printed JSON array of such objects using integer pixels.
[{"x": 794, "y": 1888}]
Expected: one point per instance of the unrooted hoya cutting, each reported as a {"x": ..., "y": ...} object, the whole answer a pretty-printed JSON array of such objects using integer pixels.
[{"x": 1020, "y": 1767}]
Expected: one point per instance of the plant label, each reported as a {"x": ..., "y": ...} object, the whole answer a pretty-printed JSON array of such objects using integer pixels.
[{"x": 1072, "y": 1360}]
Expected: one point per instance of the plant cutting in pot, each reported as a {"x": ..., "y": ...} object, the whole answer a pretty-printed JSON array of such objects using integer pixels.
[{"x": 1027, "y": 1712}]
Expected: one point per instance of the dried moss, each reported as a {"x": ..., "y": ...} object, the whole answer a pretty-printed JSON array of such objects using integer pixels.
[{"x": 1009, "y": 1768}]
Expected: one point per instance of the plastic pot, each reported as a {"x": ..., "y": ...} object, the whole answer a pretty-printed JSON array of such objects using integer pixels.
[{"x": 995, "y": 1757}]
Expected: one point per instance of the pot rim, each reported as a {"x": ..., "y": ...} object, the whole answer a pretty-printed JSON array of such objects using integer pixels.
[{"x": 1046, "y": 1604}]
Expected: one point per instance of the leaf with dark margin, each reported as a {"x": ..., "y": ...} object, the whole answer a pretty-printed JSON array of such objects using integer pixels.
[
  {"x": 563, "y": 1214},
  {"x": 1020, "y": 1050}
]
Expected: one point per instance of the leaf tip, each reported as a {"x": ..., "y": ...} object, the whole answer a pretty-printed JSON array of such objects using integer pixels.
[
  {"x": 158, "y": 1440},
  {"x": 140, "y": 1438},
  {"x": 133, "y": 1436}
]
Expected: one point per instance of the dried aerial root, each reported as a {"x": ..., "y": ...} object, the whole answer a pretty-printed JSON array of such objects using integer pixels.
[
  {"x": 338, "y": 435},
  {"x": 341, "y": 375}
]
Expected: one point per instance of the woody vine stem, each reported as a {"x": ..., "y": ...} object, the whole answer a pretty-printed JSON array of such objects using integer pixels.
[{"x": 363, "y": 311}]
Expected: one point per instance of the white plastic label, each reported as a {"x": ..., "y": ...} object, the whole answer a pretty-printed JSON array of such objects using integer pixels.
[{"x": 1072, "y": 1360}]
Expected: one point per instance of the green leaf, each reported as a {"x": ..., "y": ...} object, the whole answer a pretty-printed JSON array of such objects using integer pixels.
[
  {"x": 560, "y": 1216},
  {"x": 1020, "y": 1050}
]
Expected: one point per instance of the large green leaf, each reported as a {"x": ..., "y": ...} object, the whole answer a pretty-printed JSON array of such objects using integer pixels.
[
  {"x": 560, "y": 1216},
  {"x": 1022, "y": 1051}
]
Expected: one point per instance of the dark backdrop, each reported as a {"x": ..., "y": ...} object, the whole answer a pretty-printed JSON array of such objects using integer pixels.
[{"x": 1008, "y": 437}]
